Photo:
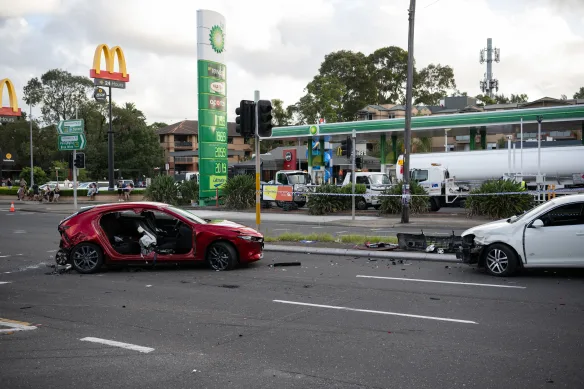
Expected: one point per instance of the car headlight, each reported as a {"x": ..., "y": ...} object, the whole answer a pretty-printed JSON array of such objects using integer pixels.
[{"x": 250, "y": 238}]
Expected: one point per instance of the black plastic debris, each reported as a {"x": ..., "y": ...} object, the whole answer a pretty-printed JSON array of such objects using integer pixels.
[
  {"x": 278, "y": 264},
  {"x": 429, "y": 243}
]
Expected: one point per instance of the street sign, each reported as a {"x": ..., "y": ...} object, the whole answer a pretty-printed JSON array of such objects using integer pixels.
[
  {"x": 72, "y": 142},
  {"x": 73, "y": 126},
  {"x": 99, "y": 94},
  {"x": 109, "y": 83},
  {"x": 7, "y": 119}
]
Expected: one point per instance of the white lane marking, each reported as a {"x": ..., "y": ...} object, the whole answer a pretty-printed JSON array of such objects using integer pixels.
[
  {"x": 51, "y": 251},
  {"x": 317, "y": 227},
  {"x": 341, "y": 232},
  {"x": 113, "y": 343},
  {"x": 444, "y": 282},
  {"x": 148, "y": 286},
  {"x": 4, "y": 256},
  {"x": 15, "y": 326},
  {"x": 5, "y": 282},
  {"x": 384, "y": 231},
  {"x": 19, "y": 231},
  {"x": 280, "y": 229},
  {"x": 378, "y": 312}
]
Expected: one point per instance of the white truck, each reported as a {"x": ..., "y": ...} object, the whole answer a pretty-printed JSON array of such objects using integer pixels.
[
  {"x": 299, "y": 179},
  {"x": 442, "y": 174},
  {"x": 375, "y": 182}
]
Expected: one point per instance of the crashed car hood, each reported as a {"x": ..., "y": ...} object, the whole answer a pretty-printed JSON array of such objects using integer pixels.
[
  {"x": 233, "y": 226},
  {"x": 487, "y": 228}
]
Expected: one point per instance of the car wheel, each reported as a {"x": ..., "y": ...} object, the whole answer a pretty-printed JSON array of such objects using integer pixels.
[
  {"x": 86, "y": 258},
  {"x": 301, "y": 204},
  {"x": 361, "y": 204},
  {"x": 500, "y": 260},
  {"x": 434, "y": 204},
  {"x": 222, "y": 256},
  {"x": 378, "y": 206}
]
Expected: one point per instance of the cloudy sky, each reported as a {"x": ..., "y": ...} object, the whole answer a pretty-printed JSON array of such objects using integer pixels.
[{"x": 276, "y": 46}]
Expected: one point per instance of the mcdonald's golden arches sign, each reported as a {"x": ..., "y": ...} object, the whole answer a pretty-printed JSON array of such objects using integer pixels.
[
  {"x": 13, "y": 110},
  {"x": 109, "y": 55}
]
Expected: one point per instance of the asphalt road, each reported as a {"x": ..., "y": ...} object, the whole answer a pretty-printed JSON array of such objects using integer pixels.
[{"x": 318, "y": 325}]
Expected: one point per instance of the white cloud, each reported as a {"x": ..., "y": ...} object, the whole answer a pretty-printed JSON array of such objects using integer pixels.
[{"x": 277, "y": 47}]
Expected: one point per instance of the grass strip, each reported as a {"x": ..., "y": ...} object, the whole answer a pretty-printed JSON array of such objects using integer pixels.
[{"x": 349, "y": 239}]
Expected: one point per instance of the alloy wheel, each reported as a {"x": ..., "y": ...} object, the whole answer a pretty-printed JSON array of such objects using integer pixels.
[
  {"x": 85, "y": 258},
  {"x": 497, "y": 261},
  {"x": 218, "y": 258}
]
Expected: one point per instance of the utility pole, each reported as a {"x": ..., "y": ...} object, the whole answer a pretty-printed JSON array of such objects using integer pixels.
[
  {"x": 353, "y": 175},
  {"x": 405, "y": 217},
  {"x": 110, "y": 144},
  {"x": 74, "y": 173},
  {"x": 31, "y": 163}
]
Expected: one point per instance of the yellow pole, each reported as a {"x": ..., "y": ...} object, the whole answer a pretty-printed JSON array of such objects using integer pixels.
[{"x": 258, "y": 201}]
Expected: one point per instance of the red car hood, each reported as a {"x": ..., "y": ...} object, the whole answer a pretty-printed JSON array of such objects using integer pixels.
[{"x": 234, "y": 226}]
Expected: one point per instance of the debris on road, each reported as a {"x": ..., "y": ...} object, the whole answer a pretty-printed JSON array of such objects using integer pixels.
[
  {"x": 379, "y": 246},
  {"x": 429, "y": 243},
  {"x": 277, "y": 264}
]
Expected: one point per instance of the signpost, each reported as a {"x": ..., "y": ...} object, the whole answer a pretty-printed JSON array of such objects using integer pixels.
[
  {"x": 212, "y": 104},
  {"x": 100, "y": 95},
  {"x": 71, "y": 135},
  {"x": 72, "y": 142}
]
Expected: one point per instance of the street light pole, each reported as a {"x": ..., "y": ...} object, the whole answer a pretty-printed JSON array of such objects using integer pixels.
[
  {"x": 405, "y": 217},
  {"x": 110, "y": 144}
]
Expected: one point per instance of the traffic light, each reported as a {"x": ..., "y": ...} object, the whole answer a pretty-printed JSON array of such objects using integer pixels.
[
  {"x": 359, "y": 162},
  {"x": 79, "y": 161},
  {"x": 347, "y": 147},
  {"x": 265, "y": 118},
  {"x": 71, "y": 161},
  {"x": 245, "y": 119}
]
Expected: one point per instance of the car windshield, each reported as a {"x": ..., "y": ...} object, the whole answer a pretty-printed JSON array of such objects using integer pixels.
[
  {"x": 532, "y": 212},
  {"x": 379, "y": 179},
  {"x": 298, "y": 178},
  {"x": 187, "y": 215}
]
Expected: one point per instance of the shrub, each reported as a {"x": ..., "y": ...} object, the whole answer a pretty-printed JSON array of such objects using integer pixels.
[
  {"x": 359, "y": 189},
  {"x": 163, "y": 189},
  {"x": 498, "y": 206},
  {"x": 322, "y": 205},
  {"x": 239, "y": 192},
  {"x": 39, "y": 175},
  {"x": 189, "y": 191},
  {"x": 393, "y": 204},
  {"x": 5, "y": 191}
]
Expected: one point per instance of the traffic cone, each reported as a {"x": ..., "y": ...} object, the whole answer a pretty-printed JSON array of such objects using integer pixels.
[{"x": 12, "y": 207}]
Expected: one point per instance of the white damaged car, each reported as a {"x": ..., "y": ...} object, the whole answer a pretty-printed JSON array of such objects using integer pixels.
[{"x": 549, "y": 235}]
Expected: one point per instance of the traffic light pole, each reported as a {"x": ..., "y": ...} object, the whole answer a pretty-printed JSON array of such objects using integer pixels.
[
  {"x": 353, "y": 175},
  {"x": 74, "y": 174},
  {"x": 256, "y": 98}
]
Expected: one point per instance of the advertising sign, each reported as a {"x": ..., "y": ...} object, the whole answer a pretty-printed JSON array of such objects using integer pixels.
[
  {"x": 212, "y": 89},
  {"x": 277, "y": 192}
]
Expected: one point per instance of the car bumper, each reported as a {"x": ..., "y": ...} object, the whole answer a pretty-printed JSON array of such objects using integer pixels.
[
  {"x": 251, "y": 252},
  {"x": 469, "y": 252}
]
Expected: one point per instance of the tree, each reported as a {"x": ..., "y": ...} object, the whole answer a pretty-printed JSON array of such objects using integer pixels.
[
  {"x": 432, "y": 84},
  {"x": 60, "y": 93},
  {"x": 580, "y": 93},
  {"x": 422, "y": 144},
  {"x": 563, "y": 97},
  {"x": 157, "y": 125},
  {"x": 39, "y": 175},
  {"x": 282, "y": 117},
  {"x": 520, "y": 98},
  {"x": 389, "y": 69}
]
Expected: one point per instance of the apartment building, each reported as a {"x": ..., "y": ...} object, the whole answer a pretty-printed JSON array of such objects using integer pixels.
[{"x": 181, "y": 146}]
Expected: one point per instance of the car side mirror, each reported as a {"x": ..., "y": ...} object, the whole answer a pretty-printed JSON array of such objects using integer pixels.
[{"x": 537, "y": 224}]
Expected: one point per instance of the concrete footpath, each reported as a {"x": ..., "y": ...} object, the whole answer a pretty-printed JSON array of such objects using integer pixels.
[{"x": 434, "y": 220}]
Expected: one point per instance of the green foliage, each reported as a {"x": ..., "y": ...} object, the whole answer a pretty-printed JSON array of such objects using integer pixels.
[
  {"x": 5, "y": 191},
  {"x": 189, "y": 191},
  {"x": 163, "y": 189},
  {"x": 239, "y": 192},
  {"x": 324, "y": 205},
  {"x": 498, "y": 206},
  {"x": 39, "y": 175},
  {"x": 580, "y": 93},
  {"x": 393, "y": 204},
  {"x": 432, "y": 83}
]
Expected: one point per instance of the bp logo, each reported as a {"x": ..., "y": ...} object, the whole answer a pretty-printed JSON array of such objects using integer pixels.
[
  {"x": 217, "y": 39},
  {"x": 313, "y": 130}
]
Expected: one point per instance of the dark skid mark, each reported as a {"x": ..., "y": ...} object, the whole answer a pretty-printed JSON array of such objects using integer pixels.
[{"x": 230, "y": 286}]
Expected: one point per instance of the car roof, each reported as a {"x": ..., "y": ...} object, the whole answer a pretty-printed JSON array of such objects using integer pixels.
[
  {"x": 112, "y": 207},
  {"x": 569, "y": 198}
]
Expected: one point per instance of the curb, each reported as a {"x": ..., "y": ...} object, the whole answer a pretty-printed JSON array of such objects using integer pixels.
[{"x": 446, "y": 258}]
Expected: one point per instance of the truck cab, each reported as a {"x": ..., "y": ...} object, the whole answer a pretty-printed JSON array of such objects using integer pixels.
[
  {"x": 299, "y": 180},
  {"x": 375, "y": 182}
]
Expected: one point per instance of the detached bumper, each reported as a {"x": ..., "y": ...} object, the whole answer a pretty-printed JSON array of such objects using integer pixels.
[{"x": 469, "y": 252}]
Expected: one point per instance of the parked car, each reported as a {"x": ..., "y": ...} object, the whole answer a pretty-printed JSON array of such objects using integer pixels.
[
  {"x": 149, "y": 232},
  {"x": 549, "y": 235}
]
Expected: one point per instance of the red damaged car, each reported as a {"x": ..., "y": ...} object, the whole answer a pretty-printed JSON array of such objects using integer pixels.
[{"x": 148, "y": 232}]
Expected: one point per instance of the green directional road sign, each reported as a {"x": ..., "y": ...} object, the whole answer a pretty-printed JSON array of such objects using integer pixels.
[
  {"x": 72, "y": 142},
  {"x": 72, "y": 126}
]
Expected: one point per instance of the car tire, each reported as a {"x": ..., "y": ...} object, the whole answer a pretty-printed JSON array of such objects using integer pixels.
[
  {"x": 500, "y": 260},
  {"x": 378, "y": 206},
  {"x": 86, "y": 258},
  {"x": 434, "y": 204},
  {"x": 301, "y": 204},
  {"x": 221, "y": 256},
  {"x": 361, "y": 204}
]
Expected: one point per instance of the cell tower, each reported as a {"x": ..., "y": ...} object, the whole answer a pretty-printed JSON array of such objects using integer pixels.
[{"x": 489, "y": 84}]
